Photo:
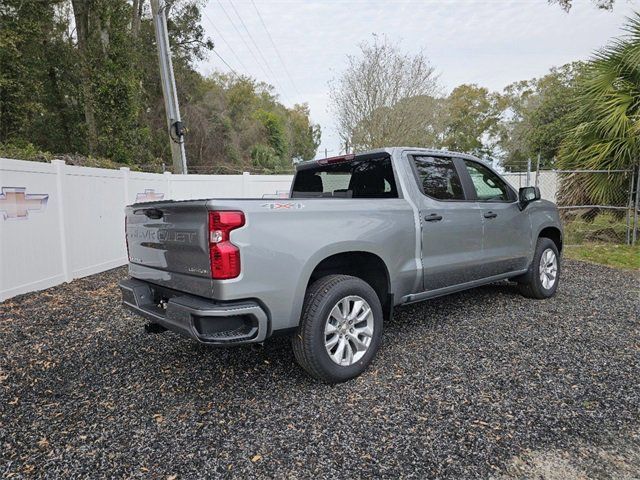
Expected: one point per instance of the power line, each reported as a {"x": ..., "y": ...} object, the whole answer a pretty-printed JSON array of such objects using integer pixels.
[
  {"x": 245, "y": 42},
  {"x": 275, "y": 48},
  {"x": 228, "y": 66},
  {"x": 250, "y": 36},
  {"x": 233, "y": 52},
  {"x": 256, "y": 46}
]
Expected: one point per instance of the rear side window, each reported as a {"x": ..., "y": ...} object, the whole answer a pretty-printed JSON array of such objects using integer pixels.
[
  {"x": 489, "y": 186},
  {"x": 439, "y": 178},
  {"x": 350, "y": 179}
]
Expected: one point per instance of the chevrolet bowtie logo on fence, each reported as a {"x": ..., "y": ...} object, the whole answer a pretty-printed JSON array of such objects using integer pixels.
[
  {"x": 15, "y": 203},
  {"x": 149, "y": 195}
]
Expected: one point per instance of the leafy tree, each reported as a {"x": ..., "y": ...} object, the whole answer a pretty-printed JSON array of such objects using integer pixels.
[
  {"x": 33, "y": 73},
  {"x": 265, "y": 157},
  {"x": 429, "y": 124},
  {"x": 536, "y": 114},
  {"x": 466, "y": 121},
  {"x": 81, "y": 76},
  {"x": 606, "y": 135},
  {"x": 471, "y": 118},
  {"x": 233, "y": 120},
  {"x": 274, "y": 127},
  {"x": 305, "y": 137},
  {"x": 371, "y": 98},
  {"x": 551, "y": 116}
]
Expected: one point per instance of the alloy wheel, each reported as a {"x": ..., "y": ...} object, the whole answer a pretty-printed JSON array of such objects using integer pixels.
[{"x": 348, "y": 330}]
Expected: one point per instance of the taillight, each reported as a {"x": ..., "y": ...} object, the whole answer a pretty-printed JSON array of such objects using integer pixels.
[{"x": 225, "y": 256}]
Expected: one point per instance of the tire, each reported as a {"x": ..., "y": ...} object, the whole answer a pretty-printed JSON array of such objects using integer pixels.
[
  {"x": 318, "y": 311},
  {"x": 531, "y": 284}
]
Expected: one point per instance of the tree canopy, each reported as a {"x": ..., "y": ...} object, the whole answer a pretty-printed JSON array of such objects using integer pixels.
[
  {"x": 579, "y": 115},
  {"x": 374, "y": 100},
  {"x": 82, "y": 77},
  {"x": 536, "y": 114},
  {"x": 606, "y": 118}
]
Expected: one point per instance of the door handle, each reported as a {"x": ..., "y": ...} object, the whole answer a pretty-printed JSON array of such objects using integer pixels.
[
  {"x": 434, "y": 217},
  {"x": 490, "y": 215},
  {"x": 153, "y": 213}
]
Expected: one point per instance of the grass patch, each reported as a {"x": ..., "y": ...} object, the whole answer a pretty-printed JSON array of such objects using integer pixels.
[
  {"x": 593, "y": 226},
  {"x": 621, "y": 256}
]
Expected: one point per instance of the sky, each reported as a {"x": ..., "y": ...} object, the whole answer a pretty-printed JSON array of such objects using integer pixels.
[{"x": 300, "y": 46}]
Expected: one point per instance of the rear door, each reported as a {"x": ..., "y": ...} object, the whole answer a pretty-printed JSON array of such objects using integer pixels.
[
  {"x": 507, "y": 230},
  {"x": 451, "y": 223}
]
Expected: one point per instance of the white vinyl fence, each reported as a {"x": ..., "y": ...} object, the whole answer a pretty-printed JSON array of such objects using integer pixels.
[{"x": 59, "y": 222}]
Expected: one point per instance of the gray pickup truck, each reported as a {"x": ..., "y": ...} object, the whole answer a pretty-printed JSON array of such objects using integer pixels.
[{"x": 359, "y": 235}]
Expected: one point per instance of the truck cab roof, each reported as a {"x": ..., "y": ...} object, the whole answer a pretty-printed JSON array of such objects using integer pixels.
[{"x": 386, "y": 150}]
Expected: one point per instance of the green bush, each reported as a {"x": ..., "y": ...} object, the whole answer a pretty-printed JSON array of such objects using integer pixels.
[{"x": 265, "y": 157}]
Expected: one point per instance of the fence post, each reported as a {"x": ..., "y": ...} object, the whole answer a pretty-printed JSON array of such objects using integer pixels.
[
  {"x": 528, "y": 172},
  {"x": 537, "y": 170},
  {"x": 246, "y": 178},
  {"x": 630, "y": 205},
  {"x": 635, "y": 210},
  {"x": 169, "y": 178},
  {"x": 59, "y": 165},
  {"x": 125, "y": 180}
]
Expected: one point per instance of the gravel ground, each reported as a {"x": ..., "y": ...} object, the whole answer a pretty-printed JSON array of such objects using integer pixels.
[{"x": 479, "y": 384}]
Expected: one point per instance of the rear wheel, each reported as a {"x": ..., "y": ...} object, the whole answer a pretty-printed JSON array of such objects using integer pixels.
[
  {"x": 541, "y": 280},
  {"x": 340, "y": 329}
]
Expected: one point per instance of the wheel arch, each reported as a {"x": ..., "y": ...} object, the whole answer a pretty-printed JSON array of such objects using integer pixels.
[
  {"x": 554, "y": 234},
  {"x": 361, "y": 264},
  {"x": 357, "y": 261}
]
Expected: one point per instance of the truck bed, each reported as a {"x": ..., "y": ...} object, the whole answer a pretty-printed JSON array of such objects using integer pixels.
[{"x": 280, "y": 243}]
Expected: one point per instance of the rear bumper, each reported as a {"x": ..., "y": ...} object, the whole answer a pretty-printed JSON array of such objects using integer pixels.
[{"x": 195, "y": 317}]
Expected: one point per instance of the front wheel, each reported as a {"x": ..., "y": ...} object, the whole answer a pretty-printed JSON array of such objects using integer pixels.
[
  {"x": 340, "y": 329},
  {"x": 541, "y": 280}
]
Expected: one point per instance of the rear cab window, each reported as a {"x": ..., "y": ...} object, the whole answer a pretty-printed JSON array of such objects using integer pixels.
[{"x": 355, "y": 178}]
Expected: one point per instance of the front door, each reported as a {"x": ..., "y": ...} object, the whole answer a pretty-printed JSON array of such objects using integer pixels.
[
  {"x": 451, "y": 224},
  {"x": 507, "y": 234}
]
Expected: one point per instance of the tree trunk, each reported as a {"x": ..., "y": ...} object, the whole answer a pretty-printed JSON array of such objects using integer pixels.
[
  {"x": 61, "y": 106},
  {"x": 81, "y": 14},
  {"x": 136, "y": 14}
]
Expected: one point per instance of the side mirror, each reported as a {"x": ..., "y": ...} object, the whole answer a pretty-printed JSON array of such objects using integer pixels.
[{"x": 526, "y": 195}]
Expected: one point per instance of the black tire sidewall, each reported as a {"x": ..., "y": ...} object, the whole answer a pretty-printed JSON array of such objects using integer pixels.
[{"x": 350, "y": 286}]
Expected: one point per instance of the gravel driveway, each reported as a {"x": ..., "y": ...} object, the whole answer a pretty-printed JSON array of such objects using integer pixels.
[{"x": 479, "y": 384}]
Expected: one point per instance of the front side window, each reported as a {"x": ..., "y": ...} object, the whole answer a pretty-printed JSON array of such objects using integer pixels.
[
  {"x": 366, "y": 178},
  {"x": 489, "y": 186},
  {"x": 439, "y": 178}
]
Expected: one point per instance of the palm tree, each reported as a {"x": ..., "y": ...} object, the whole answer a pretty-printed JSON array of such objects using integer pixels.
[{"x": 607, "y": 119}]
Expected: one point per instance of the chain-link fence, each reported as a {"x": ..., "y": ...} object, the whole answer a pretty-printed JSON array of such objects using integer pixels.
[{"x": 596, "y": 206}]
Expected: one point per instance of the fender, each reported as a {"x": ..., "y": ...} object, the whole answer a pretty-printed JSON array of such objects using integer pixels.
[{"x": 326, "y": 252}]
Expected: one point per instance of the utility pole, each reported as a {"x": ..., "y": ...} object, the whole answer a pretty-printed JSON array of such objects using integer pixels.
[{"x": 168, "y": 81}]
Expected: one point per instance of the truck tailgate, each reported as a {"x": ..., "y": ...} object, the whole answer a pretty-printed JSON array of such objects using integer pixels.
[{"x": 171, "y": 236}]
